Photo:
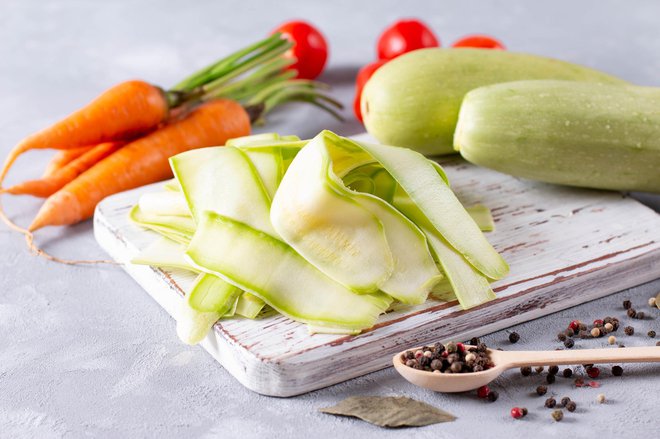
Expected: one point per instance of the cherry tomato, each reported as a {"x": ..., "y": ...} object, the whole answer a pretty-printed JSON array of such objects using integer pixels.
[
  {"x": 310, "y": 48},
  {"x": 479, "y": 41},
  {"x": 362, "y": 77},
  {"x": 405, "y": 36}
]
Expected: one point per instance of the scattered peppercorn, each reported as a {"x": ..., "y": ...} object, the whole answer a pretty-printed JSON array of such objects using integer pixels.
[
  {"x": 525, "y": 371},
  {"x": 550, "y": 403},
  {"x": 474, "y": 341},
  {"x": 539, "y": 369},
  {"x": 617, "y": 371},
  {"x": 651, "y": 334},
  {"x": 561, "y": 336},
  {"x": 514, "y": 337},
  {"x": 569, "y": 343},
  {"x": 629, "y": 330},
  {"x": 554, "y": 370},
  {"x": 593, "y": 372},
  {"x": 550, "y": 378},
  {"x": 640, "y": 315},
  {"x": 627, "y": 304},
  {"x": 621, "y": 345},
  {"x": 571, "y": 406},
  {"x": 565, "y": 400},
  {"x": 631, "y": 313},
  {"x": 516, "y": 413},
  {"x": 657, "y": 343},
  {"x": 600, "y": 398},
  {"x": 584, "y": 334},
  {"x": 583, "y": 326},
  {"x": 541, "y": 390},
  {"x": 492, "y": 396},
  {"x": 608, "y": 327},
  {"x": 598, "y": 323},
  {"x": 652, "y": 302},
  {"x": 611, "y": 339},
  {"x": 595, "y": 332},
  {"x": 569, "y": 332},
  {"x": 574, "y": 325},
  {"x": 524, "y": 411},
  {"x": 483, "y": 391},
  {"x": 557, "y": 415},
  {"x": 567, "y": 373}
]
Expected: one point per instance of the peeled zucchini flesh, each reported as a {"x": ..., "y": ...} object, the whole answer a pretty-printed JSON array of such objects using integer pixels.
[
  {"x": 565, "y": 132},
  {"x": 277, "y": 274}
]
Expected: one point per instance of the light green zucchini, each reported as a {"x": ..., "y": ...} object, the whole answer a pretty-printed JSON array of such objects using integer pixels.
[
  {"x": 565, "y": 132},
  {"x": 274, "y": 272},
  {"x": 249, "y": 306},
  {"x": 356, "y": 238},
  {"x": 164, "y": 203},
  {"x": 164, "y": 252},
  {"x": 174, "y": 227},
  {"x": 413, "y": 100},
  {"x": 223, "y": 180},
  {"x": 211, "y": 294}
]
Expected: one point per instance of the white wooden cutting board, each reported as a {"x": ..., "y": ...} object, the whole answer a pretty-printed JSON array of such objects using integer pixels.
[{"x": 565, "y": 246}]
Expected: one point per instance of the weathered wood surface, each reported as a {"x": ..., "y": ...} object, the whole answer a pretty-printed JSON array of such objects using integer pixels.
[{"x": 565, "y": 246}]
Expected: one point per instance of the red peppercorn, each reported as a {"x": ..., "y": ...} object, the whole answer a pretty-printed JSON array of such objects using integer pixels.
[
  {"x": 516, "y": 413},
  {"x": 574, "y": 325},
  {"x": 598, "y": 322},
  {"x": 444, "y": 354},
  {"x": 483, "y": 391},
  {"x": 593, "y": 372},
  {"x": 460, "y": 347}
]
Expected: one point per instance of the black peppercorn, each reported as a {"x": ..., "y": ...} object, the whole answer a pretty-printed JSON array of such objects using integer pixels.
[
  {"x": 481, "y": 347},
  {"x": 550, "y": 403},
  {"x": 569, "y": 343},
  {"x": 553, "y": 370},
  {"x": 492, "y": 396},
  {"x": 640, "y": 315},
  {"x": 565, "y": 400},
  {"x": 438, "y": 348},
  {"x": 524, "y": 411},
  {"x": 631, "y": 313},
  {"x": 627, "y": 304},
  {"x": 617, "y": 371},
  {"x": 525, "y": 371},
  {"x": 657, "y": 343},
  {"x": 571, "y": 406},
  {"x": 584, "y": 334},
  {"x": 557, "y": 415},
  {"x": 550, "y": 378},
  {"x": 570, "y": 332},
  {"x": 541, "y": 390},
  {"x": 561, "y": 336},
  {"x": 583, "y": 326},
  {"x": 514, "y": 337},
  {"x": 651, "y": 334},
  {"x": 629, "y": 330},
  {"x": 567, "y": 373}
]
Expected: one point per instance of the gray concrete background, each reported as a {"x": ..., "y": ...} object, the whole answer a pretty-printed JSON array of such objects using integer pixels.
[{"x": 84, "y": 352}]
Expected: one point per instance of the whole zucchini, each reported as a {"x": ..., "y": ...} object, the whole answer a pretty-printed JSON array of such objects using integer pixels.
[
  {"x": 565, "y": 132},
  {"x": 413, "y": 101}
]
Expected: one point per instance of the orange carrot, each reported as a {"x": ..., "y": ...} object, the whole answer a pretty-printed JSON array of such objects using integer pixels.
[
  {"x": 143, "y": 161},
  {"x": 127, "y": 109},
  {"x": 62, "y": 158},
  {"x": 46, "y": 187}
]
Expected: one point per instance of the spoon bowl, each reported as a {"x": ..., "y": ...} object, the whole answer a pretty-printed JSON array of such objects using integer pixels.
[{"x": 503, "y": 360}]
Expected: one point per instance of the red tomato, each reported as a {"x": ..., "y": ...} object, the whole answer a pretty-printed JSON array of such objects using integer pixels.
[
  {"x": 310, "y": 48},
  {"x": 405, "y": 36},
  {"x": 362, "y": 77},
  {"x": 479, "y": 41}
]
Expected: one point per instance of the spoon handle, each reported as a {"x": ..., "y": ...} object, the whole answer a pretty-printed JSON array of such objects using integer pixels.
[{"x": 641, "y": 354}]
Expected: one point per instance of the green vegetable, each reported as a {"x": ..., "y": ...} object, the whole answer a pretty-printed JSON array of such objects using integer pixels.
[
  {"x": 413, "y": 100},
  {"x": 274, "y": 272},
  {"x": 211, "y": 294},
  {"x": 164, "y": 252},
  {"x": 249, "y": 306},
  {"x": 356, "y": 238},
  {"x": 174, "y": 227},
  {"x": 565, "y": 132}
]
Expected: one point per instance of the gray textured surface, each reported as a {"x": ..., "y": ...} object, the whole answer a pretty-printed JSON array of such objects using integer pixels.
[{"x": 84, "y": 352}]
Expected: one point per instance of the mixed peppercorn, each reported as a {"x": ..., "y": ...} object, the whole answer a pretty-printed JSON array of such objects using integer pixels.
[{"x": 450, "y": 358}]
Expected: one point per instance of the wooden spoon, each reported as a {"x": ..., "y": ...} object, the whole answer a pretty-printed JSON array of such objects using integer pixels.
[{"x": 503, "y": 360}]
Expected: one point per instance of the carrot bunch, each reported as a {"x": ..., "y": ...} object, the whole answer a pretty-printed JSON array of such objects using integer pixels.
[{"x": 124, "y": 138}]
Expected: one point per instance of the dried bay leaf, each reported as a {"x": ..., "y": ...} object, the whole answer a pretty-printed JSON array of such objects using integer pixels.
[{"x": 390, "y": 411}]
